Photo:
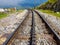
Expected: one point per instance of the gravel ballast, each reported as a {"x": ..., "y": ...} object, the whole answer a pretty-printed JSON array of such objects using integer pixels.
[
  {"x": 9, "y": 24},
  {"x": 52, "y": 20}
]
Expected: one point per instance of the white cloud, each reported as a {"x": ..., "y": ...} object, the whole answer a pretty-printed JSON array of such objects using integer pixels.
[
  {"x": 17, "y": 3},
  {"x": 10, "y": 2}
]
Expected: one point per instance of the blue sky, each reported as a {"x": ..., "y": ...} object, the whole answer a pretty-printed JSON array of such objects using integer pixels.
[{"x": 20, "y": 3}]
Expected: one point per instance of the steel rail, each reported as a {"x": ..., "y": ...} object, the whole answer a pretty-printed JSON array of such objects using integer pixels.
[
  {"x": 56, "y": 36},
  {"x": 11, "y": 35}
]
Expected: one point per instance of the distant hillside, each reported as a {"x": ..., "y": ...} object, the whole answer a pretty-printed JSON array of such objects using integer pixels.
[{"x": 51, "y": 5}]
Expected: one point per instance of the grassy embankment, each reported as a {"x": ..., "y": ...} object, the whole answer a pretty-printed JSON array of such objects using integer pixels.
[
  {"x": 57, "y": 14},
  {"x": 47, "y": 7},
  {"x": 3, "y": 15}
]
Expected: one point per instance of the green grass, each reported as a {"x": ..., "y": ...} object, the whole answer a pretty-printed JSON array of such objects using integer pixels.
[
  {"x": 52, "y": 1},
  {"x": 3, "y": 15},
  {"x": 51, "y": 12}
]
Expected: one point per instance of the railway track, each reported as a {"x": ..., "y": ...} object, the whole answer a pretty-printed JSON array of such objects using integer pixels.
[
  {"x": 55, "y": 34},
  {"x": 33, "y": 31},
  {"x": 43, "y": 36},
  {"x": 22, "y": 34}
]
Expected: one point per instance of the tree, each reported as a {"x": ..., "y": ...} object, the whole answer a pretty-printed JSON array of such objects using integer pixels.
[
  {"x": 58, "y": 6},
  {"x": 51, "y": 4}
]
